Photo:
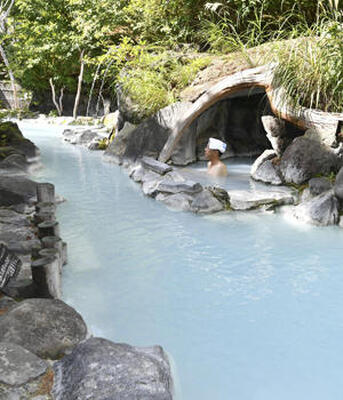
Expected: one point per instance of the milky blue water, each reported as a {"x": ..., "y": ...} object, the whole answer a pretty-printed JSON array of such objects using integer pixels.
[{"x": 249, "y": 306}]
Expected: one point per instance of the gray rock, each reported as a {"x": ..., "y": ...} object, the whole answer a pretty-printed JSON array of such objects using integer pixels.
[
  {"x": 220, "y": 194},
  {"x": 101, "y": 370},
  {"x": 148, "y": 138},
  {"x": 265, "y": 170},
  {"x": 276, "y": 133},
  {"x": 6, "y": 303},
  {"x": 319, "y": 185},
  {"x": 205, "y": 203},
  {"x": 244, "y": 200},
  {"x": 338, "y": 188},
  {"x": 10, "y": 233},
  {"x": 16, "y": 190},
  {"x": 15, "y": 141},
  {"x": 178, "y": 201},
  {"x": 305, "y": 158},
  {"x": 322, "y": 135},
  {"x": 18, "y": 365},
  {"x": 20, "y": 288},
  {"x": 320, "y": 210},
  {"x": 46, "y": 327},
  {"x": 274, "y": 126},
  {"x": 14, "y": 164},
  {"x": 8, "y": 216},
  {"x": 155, "y": 165},
  {"x": 22, "y": 247},
  {"x": 150, "y": 176},
  {"x": 137, "y": 173},
  {"x": 149, "y": 187},
  {"x": 177, "y": 187}
]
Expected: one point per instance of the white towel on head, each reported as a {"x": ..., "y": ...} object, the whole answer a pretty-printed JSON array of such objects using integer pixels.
[{"x": 216, "y": 144}]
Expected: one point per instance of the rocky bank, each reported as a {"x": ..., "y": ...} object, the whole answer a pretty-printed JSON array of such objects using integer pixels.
[{"x": 46, "y": 350}]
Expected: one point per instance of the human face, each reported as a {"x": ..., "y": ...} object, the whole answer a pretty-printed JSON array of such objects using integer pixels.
[
  {"x": 211, "y": 154},
  {"x": 208, "y": 152}
]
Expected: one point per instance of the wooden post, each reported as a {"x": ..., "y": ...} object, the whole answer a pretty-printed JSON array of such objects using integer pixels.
[
  {"x": 46, "y": 275},
  {"x": 52, "y": 253},
  {"x": 52, "y": 242},
  {"x": 55, "y": 242},
  {"x": 48, "y": 229},
  {"x": 45, "y": 193}
]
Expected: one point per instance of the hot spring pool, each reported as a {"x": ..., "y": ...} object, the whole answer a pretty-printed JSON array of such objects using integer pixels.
[{"x": 248, "y": 306}]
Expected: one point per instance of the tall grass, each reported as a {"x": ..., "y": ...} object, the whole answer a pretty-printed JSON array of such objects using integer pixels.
[
  {"x": 309, "y": 54},
  {"x": 310, "y": 68}
]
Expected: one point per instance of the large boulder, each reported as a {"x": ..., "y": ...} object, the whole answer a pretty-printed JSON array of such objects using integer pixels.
[
  {"x": 148, "y": 138},
  {"x": 46, "y": 327},
  {"x": 319, "y": 210},
  {"x": 16, "y": 190},
  {"x": 101, "y": 370},
  {"x": 338, "y": 188},
  {"x": 305, "y": 158},
  {"x": 11, "y": 137},
  {"x": 265, "y": 169}
]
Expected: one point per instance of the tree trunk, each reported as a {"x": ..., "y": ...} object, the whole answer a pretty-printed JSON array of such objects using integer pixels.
[
  {"x": 10, "y": 73},
  {"x": 79, "y": 85},
  {"x": 60, "y": 100},
  {"x": 54, "y": 97}
]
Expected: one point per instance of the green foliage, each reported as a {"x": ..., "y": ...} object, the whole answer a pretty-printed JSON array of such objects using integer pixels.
[
  {"x": 103, "y": 144},
  {"x": 151, "y": 76},
  {"x": 311, "y": 69},
  {"x": 151, "y": 47}
]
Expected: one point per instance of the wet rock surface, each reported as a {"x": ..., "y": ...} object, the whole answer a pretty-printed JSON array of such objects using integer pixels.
[
  {"x": 46, "y": 327},
  {"x": 319, "y": 210},
  {"x": 265, "y": 169},
  {"x": 155, "y": 166},
  {"x": 241, "y": 200},
  {"x": 99, "y": 369},
  {"x": 205, "y": 203}
]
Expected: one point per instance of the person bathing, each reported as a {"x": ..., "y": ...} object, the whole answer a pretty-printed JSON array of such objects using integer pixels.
[{"x": 214, "y": 149}]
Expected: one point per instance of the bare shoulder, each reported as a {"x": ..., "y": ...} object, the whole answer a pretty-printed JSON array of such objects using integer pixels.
[{"x": 222, "y": 169}]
